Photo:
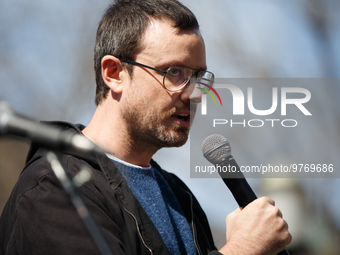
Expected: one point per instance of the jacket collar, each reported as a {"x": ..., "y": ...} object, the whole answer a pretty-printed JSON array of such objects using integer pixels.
[{"x": 112, "y": 174}]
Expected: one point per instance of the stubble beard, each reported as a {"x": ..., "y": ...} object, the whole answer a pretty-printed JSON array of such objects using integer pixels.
[{"x": 155, "y": 131}]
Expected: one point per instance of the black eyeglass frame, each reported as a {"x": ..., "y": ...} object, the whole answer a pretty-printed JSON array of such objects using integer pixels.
[{"x": 165, "y": 72}]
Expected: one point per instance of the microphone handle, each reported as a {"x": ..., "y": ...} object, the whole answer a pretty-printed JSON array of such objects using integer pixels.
[
  {"x": 239, "y": 186},
  {"x": 241, "y": 190}
]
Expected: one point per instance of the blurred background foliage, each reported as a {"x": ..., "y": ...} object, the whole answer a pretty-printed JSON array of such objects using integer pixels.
[{"x": 46, "y": 72}]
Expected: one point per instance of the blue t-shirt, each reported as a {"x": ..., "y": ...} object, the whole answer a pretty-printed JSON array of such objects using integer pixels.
[{"x": 161, "y": 205}]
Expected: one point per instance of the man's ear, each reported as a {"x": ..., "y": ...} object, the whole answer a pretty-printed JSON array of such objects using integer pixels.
[{"x": 112, "y": 71}]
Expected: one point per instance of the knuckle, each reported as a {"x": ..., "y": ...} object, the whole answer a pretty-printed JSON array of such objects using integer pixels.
[
  {"x": 266, "y": 201},
  {"x": 260, "y": 202},
  {"x": 286, "y": 238},
  {"x": 282, "y": 225},
  {"x": 276, "y": 212},
  {"x": 230, "y": 217},
  {"x": 290, "y": 238},
  {"x": 233, "y": 215}
]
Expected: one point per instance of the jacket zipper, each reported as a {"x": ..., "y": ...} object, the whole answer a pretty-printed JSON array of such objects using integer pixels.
[
  {"x": 193, "y": 226},
  {"x": 139, "y": 233}
]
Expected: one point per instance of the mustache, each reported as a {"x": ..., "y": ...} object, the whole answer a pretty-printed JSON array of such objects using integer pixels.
[{"x": 192, "y": 107}]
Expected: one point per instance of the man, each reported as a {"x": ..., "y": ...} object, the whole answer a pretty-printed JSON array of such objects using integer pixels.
[{"x": 147, "y": 54}]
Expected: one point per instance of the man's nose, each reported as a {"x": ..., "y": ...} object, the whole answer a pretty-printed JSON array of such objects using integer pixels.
[{"x": 192, "y": 92}]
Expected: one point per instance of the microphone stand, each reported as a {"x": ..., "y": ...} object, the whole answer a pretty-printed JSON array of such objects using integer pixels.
[{"x": 70, "y": 186}]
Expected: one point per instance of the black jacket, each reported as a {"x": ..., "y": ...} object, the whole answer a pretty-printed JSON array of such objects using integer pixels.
[{"x": 40, "y": 219}]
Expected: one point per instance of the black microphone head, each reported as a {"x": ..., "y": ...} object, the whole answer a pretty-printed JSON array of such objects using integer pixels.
[{"x": 216, "y": 148}]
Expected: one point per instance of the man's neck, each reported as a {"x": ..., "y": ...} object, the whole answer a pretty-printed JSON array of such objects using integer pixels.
[{"x": 109, "y": 132}]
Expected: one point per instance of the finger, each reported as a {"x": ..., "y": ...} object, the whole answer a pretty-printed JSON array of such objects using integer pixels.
[
  {"x": 286, "y": 224},
  {"x": 236, "y": 212},
  {"x": 270, "y": 200},
  {"x": 233, "y": 214},
  {"x": 288, "y": 236},
  {"x": 289, "y": 239}
]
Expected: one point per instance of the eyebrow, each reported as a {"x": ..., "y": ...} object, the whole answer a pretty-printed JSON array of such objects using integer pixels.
[{"x": 176, "y": 63}]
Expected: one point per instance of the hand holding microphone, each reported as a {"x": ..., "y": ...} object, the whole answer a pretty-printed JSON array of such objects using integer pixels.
[{"x": 259, "y": 227}]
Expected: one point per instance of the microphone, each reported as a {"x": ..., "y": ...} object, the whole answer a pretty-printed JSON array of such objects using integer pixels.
[
  {"x": 216, "y": 149},
  {"x": 49, "y": 137}
]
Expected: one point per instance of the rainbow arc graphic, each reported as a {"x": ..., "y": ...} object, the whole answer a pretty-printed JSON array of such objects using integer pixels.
[{"x": 209, "y": 93}]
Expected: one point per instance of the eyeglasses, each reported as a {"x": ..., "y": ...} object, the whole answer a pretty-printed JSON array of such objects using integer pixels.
[{"x": 177, "y": 77}]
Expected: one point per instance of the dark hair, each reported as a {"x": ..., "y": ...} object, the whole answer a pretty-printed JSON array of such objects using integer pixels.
[{"x": 122, "y": 28}]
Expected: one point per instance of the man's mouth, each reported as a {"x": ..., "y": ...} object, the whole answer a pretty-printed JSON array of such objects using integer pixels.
[{"x": 182, "y": 119}]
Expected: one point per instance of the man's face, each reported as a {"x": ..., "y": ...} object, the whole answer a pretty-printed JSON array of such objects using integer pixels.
[{"x": 153, "y": 115}]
